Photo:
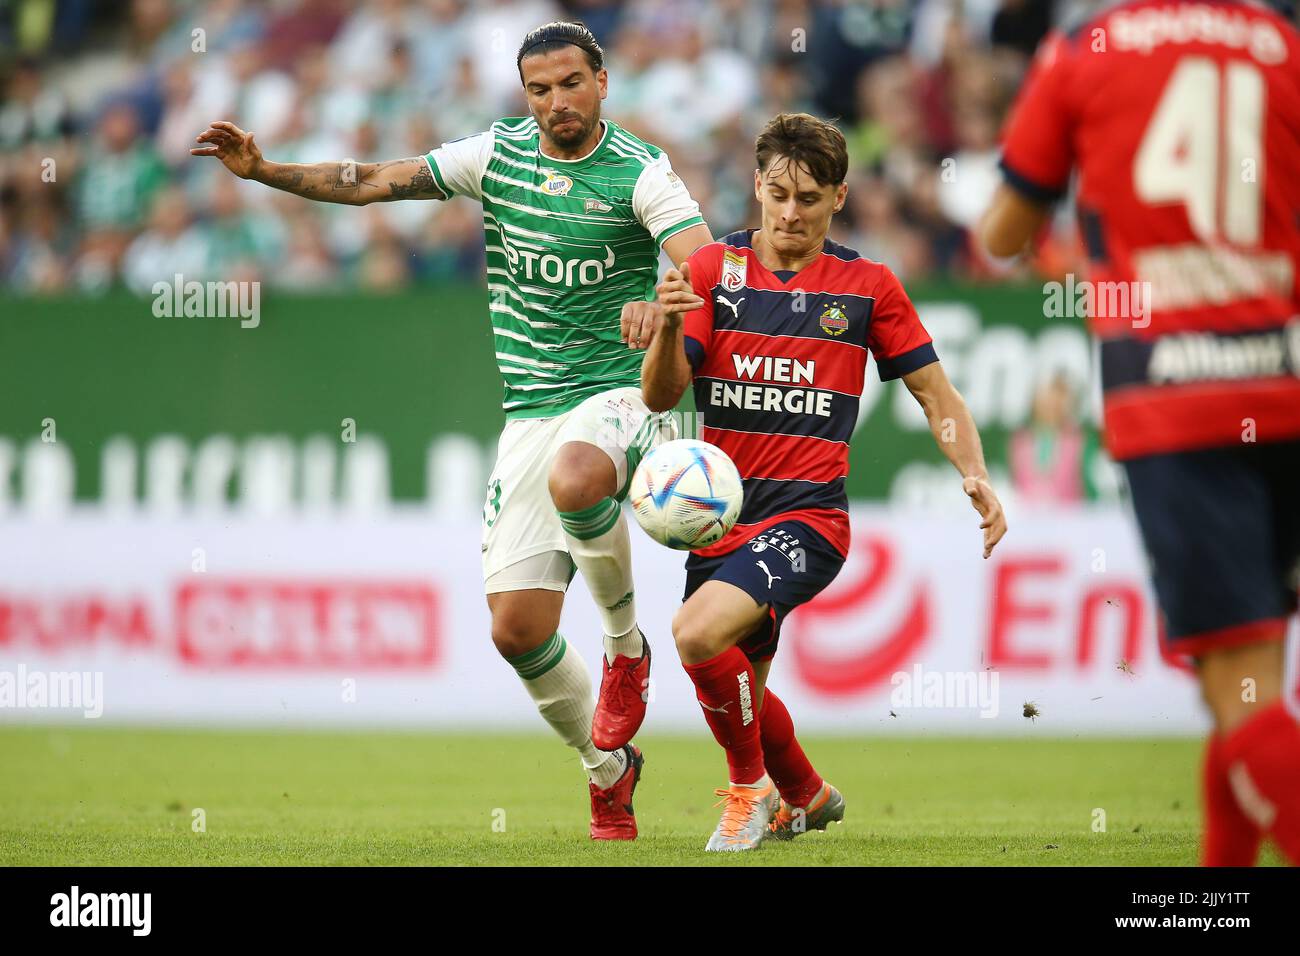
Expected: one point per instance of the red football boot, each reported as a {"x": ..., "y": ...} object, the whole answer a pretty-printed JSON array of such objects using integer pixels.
[
  {"x": 620, "y": 709},
  {"x": 612, "y": 817}
]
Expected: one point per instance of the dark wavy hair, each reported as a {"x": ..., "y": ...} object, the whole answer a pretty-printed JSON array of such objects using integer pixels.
[
  {"x": 806, "y": 141},
  {"x": 554, "y": 36}
]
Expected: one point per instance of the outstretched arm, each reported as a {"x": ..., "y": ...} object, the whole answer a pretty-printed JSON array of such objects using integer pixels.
[
  {"x": 957, "y": 437},
  {"x": 348, "y": 182}
]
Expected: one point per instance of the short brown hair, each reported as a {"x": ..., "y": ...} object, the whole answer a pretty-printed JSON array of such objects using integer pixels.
[{"x": 807, "y": 141}]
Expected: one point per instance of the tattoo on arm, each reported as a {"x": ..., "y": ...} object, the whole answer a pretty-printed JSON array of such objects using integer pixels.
[
  {"x": 347, "y": 175},
  {"x": 287, "y": 179},
  {"x": 356, "y": 183},
  {"x": 420, "y": 186},
  {"x": 311, "y": 181}
]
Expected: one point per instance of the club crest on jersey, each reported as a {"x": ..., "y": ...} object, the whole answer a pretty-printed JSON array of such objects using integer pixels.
[
  {"x": 595, "y": 205},
  {"x": 834, "y": 320},
  {"x": 734, "y": 267},
  {"x": 556, "y": 184}
]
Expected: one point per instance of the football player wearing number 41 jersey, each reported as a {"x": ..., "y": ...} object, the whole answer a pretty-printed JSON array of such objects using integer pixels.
[
  {"x": 1183, "y": 119},
  {"x": 773, "y": 326}
]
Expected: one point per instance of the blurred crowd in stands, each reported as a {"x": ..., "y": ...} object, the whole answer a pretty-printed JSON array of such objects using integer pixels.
[{"x": 102, "y": 100}]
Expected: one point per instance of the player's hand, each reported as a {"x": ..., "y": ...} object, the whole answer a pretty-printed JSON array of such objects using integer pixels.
[
  {"x": 985, "y": 501},
  {"x": 232, "y": 146},
  {"x": 639, "y": 321},
  {"x": 676, "y": 294}
]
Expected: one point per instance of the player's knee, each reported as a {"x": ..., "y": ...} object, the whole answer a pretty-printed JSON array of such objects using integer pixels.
[
  {"x": 696, "y": 640},
  {"x": 515, "y": 633},
  {"x": 581, "y": 475},
  {"x": 568, "y": 493}
]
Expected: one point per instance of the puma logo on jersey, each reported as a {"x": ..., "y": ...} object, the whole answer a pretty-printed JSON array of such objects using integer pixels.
[
  {"x": 770, "y": 576},
  {"x": 734, "y": 307}
]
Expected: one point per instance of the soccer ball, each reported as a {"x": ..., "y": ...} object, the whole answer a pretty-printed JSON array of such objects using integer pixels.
[{"x": 686, "y": 494}]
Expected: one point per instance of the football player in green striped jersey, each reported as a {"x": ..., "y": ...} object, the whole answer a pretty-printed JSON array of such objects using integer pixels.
[{"x": 575, "y": 213}]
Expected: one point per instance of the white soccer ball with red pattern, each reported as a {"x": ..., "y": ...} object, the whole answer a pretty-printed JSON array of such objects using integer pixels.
[{"x": 686, "y": 494}]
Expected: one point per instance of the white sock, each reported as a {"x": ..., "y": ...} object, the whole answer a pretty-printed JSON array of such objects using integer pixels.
[
  {"x": 557, "y": 680},
  {"x": 630, "y": 644},
  {"x": 607, "y": 774},
  {"x": 601, "y": 547},
  {"x": 759, "y": 784}
]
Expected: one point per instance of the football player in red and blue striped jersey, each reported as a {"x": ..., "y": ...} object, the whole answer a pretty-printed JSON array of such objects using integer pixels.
[
  {"x": 1183, "y": 121},
  {"x": 774, "y": 327}
]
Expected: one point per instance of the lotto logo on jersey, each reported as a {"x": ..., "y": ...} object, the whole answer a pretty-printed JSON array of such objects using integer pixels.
[
  {"x": 556, "y": 184},
  {"x": 834, "y": 320},
  {"x": 734, "y": 268}
]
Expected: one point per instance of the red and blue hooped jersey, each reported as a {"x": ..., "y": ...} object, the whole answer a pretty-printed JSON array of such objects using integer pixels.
[
  {"x": 779, "y": 363},
  {"x": 1183, "y": 121}
]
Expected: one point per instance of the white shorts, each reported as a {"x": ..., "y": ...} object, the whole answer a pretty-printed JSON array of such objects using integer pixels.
[{"x": 524, "y": 545}]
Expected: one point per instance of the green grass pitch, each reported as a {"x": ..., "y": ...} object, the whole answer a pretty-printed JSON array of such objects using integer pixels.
[{"x": 114, "y": 796}]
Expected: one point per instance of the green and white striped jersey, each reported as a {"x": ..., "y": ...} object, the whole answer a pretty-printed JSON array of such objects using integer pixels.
[{"x": 568, "y": 243}]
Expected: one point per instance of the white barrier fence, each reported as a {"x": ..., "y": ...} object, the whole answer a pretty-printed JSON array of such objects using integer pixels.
[{"x": 381, "y": 621}]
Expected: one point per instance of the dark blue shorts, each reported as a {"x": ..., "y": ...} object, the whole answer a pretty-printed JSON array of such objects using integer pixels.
[
  {"x": 1222, "y": 530},
  {"x": 787, "y": 565}
]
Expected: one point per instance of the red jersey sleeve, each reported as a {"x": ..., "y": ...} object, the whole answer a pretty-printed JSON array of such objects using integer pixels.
[
  {"x": 897, "y": 339},
  {"x": 1037, "y": 145},
  {"x": 697, "y": 326}
]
